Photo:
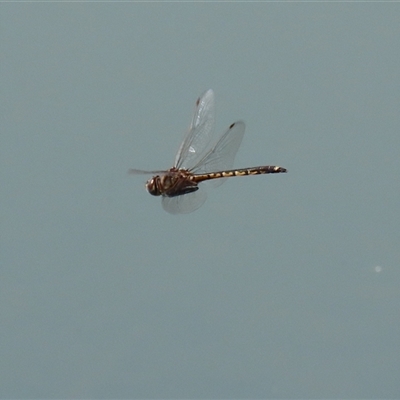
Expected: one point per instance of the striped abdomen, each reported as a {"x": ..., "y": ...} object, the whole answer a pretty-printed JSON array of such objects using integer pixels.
[{"x": 268, "y": 169}]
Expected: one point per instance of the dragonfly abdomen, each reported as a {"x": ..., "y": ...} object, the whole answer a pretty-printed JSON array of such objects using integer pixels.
[{"x": 268, "y": 169}]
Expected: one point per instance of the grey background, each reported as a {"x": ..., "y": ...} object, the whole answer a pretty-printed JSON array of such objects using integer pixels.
[{"x": 282, "y": 286}]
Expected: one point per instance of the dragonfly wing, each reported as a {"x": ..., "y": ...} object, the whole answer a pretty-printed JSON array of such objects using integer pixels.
[
  {"x": 144, "y": 172},
  {"x": 184, "y": 204},
  {"x": 200, "y": 132},
  {"x": 222, "y": 155}
]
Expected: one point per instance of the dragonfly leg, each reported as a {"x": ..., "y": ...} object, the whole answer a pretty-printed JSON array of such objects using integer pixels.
[{"x": 185, "y": 190}]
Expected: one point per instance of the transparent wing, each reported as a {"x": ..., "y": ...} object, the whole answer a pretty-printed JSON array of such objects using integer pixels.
[
  {"x": 222, "y": 155},
  {"x": 184, "y": 204},
  {"x": 144, "y": 172},
  {"x": 200, "y": 132}
]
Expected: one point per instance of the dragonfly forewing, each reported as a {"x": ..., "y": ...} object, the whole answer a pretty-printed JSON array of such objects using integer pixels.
[
  {"x": 144, "y": 172},
  {"x": 200, "y": 132}
]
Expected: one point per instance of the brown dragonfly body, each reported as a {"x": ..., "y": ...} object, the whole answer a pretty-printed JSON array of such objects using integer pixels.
[{"x": 179, "y": 182}]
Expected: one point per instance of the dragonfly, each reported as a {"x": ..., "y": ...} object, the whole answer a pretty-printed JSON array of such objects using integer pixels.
[{"x": 200, "y": 162}]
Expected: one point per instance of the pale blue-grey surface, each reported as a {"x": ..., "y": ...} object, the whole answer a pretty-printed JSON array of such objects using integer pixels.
[{"x": 280, "y": 286}]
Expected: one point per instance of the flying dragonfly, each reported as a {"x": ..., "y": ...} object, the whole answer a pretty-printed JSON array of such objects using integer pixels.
[{"x": 199, "y": 162}]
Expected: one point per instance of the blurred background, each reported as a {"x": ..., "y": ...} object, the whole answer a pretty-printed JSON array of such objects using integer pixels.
[{"x": 280, "y": 286}]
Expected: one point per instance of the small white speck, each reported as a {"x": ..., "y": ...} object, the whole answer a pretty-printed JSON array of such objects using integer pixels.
[
  {"x": 192, "y": 150},
  {"x": 378, "y": 269}
]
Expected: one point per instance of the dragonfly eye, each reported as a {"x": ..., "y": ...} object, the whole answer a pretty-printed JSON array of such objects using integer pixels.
[{"x": 152, "y": 187}]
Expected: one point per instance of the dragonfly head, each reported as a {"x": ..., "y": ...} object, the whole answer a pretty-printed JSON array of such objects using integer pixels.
[{"x": 153, "y": 186}]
